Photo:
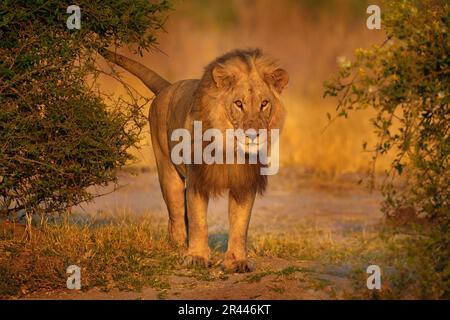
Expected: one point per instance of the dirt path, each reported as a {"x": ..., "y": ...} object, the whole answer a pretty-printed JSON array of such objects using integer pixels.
[
  {"x": 285, "y": 280},
  {"x": 292, "y": 197}
]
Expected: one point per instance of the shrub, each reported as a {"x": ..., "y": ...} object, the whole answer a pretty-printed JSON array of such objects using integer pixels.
[
  {"x": 58, "y": 132},
  {"x": 406, "y": 81}
]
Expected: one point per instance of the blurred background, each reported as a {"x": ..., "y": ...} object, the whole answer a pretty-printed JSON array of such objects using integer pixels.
[{"x": 308, "y": 37}]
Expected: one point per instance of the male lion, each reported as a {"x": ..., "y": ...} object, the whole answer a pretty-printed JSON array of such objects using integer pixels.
[{"x": 240, "y": 89}]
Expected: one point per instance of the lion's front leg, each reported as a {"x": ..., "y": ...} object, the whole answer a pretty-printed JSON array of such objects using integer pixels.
[
  {"x": 240, "y": 209},
  {"x": 198, "y": 250}
]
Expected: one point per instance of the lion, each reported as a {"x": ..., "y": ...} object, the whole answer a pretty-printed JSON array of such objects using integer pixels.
[{"x": 239, "y": 90}]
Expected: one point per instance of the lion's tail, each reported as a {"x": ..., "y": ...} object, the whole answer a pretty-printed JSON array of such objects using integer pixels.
[{"x": 149, "y": 77}]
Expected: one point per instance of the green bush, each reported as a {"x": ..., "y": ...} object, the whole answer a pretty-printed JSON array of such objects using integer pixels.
[
  {"x": 406, "y": 81},
  {"x": 58, "y": 133}
]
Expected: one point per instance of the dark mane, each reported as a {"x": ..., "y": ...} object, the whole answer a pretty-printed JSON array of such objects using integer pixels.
[
  {"x": 213, "y": 179},
  {"x": 243, "y": 55}
]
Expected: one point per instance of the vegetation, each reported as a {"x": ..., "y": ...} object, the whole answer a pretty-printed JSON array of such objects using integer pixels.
[
  {"x": 133, "y": 253},
  {"x": 123, "y": 253},
  {"x": 58, "y": 133},
  {"x": 406, "y": 81}
]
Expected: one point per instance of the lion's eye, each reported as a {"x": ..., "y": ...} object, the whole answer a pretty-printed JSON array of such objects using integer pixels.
[
  {"x": 264, "y": 104},
  {"x": 238, "y": 103}
]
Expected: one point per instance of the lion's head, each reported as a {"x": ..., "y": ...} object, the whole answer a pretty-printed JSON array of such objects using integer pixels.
[{"x": 242, "y": 90}]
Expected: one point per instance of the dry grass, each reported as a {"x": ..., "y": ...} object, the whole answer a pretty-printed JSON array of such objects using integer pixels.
[
  {"x": 130, "y": 254},
  {"x": 124, "y": 253},
  {"x": 408, "y": 266}
]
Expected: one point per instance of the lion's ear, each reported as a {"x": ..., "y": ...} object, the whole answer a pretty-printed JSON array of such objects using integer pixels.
[
  {"x": 278, "y": 78},
  {"x": 222, "y": 77}
]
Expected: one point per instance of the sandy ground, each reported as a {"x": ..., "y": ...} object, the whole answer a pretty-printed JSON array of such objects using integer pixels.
[{"x": 293, "y": 196}]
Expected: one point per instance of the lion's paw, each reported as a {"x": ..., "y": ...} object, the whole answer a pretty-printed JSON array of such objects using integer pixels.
[{"x": 195, "y": 261}]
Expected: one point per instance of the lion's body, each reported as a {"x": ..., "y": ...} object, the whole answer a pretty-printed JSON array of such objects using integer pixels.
[{"x": 186, "y": 188}]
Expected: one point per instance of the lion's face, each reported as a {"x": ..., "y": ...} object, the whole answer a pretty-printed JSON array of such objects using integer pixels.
[
  {"x": 248, "y": 107},
  {"x": 248, "y": 98}
]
